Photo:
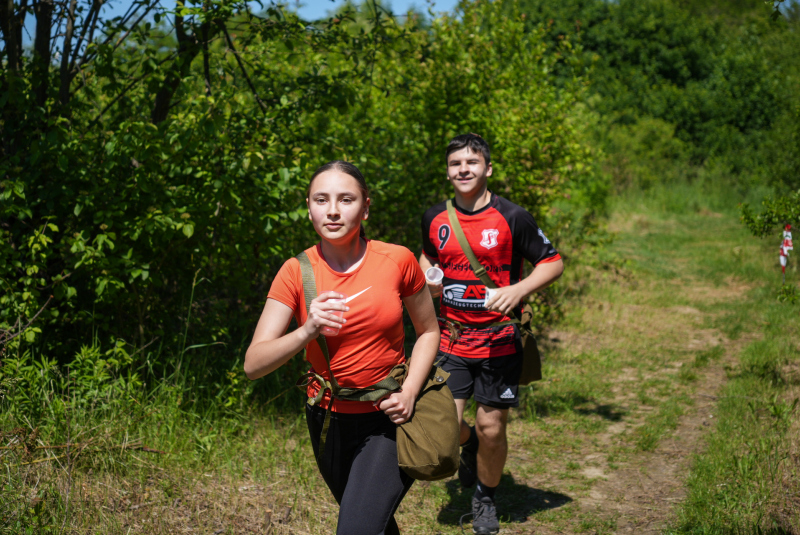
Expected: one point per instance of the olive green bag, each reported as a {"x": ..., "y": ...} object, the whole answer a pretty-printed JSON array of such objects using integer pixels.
[
  {"x": 427, "y": 444},
  {"x": 531, "y": 360}
]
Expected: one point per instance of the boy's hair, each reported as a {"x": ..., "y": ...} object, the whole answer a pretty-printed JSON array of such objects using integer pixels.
[{"x": 475, "y": 143}]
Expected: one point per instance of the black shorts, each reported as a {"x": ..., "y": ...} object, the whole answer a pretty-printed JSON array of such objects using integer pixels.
[{"x": 493, "y": 381}]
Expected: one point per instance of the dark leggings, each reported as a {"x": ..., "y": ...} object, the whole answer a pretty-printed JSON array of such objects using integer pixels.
[{"x": 360, "y": 467}]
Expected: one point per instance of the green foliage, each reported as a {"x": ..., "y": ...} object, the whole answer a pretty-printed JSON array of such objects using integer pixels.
[
  {"x": 658, "y": 59},
  {"x": 171, "y": 163},
  {"x": 777, "y": 211},
  {"x": 645, "y": 153},
  {"x": 480, "y": 73},
  {"x": 683, "y": 90},
  {"x": 789, "y": 293},
  {"x": 783, "y": 149}
]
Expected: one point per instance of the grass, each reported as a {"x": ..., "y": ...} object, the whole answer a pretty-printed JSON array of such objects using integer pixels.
[
  {"x": 668, "y": 403},
  {"x": 739, "y": 484}
]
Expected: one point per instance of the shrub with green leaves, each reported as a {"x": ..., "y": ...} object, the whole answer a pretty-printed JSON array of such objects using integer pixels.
[{"x": 157, "y": 197}]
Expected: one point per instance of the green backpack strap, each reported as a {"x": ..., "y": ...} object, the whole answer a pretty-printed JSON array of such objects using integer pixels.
[
  {"x": 474, "y": 263},
  {"x": 370, "y": 393},
  {"x": 310, "y": 293}
]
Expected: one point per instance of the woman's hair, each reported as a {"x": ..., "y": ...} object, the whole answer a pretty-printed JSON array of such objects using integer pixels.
[
  {"x": 344, "y": 167},
  {"x": 349, "y": 169}
]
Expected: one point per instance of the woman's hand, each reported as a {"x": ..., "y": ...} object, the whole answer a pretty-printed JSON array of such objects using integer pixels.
[
  {"x": 398, "y": 406},
  {"x": 320, "y": 314}
]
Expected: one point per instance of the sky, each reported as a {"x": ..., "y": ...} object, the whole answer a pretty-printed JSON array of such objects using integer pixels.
[
  {"x": 312, "y": 9},
  {"x": 307, "y": 9}
]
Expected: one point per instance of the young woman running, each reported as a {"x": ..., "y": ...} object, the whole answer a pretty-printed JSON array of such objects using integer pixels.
[{"x": 359, "y": 461}]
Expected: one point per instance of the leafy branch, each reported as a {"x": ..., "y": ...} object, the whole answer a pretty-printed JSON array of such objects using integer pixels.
[
  {"x": 776, "y": 213},
  {"x": 6, "y": 335}
]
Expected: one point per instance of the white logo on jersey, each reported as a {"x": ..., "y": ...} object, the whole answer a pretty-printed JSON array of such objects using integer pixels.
[
  {"x": 455, "y": 292},
  {"x": 508, "y": 394},
  {"x": 462, "y": 296},
  {"x": 489, "y": 237},
  {"x": 543, "y": 236}
]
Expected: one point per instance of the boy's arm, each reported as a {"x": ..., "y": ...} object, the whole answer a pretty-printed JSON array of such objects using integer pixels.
[
  {"x": 507, "y": 298},
  {"x": 425, "y": 263}
]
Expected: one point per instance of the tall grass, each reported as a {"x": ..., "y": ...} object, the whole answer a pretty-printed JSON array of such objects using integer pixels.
[{"x": 102, "y": 414}]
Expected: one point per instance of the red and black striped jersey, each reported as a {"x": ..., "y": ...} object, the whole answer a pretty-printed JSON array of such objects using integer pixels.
[{"x": 502, "y": 235}]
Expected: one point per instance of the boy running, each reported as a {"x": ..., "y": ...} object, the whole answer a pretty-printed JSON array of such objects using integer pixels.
[{"x": 484, "y": 362}]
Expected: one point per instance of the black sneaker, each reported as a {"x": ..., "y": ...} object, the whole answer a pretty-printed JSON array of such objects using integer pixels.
[
  {"x": 468, "y": 463},
  {"x": 484, "y": 516}
]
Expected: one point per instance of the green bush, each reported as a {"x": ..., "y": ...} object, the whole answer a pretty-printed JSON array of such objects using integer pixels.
[
  {"x": 789, "y": 293},
  {"x": 645, "y": 153},
  {"x": 157, "y": 228},
  {"x": 38, "y": 392}
]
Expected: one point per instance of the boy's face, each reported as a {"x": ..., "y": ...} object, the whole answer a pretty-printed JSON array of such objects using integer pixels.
[{"x": 467, "y": 171}]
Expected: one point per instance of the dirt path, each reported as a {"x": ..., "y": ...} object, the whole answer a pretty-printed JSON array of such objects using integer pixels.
[
  {"x": 640, "y": 495},
  {"x": 635, "y": 494}
]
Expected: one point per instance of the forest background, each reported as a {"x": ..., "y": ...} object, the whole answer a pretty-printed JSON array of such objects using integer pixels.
[{"x": 154, "y": 165}]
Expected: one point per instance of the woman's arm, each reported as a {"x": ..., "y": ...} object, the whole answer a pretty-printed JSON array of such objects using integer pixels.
[
  {"x": 400, "y": 405},
  {"x": 271, "y": 348}
]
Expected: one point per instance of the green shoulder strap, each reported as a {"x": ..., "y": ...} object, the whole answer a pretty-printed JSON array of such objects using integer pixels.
[
  {"x": 310, "y": 293},
  {"x": 477, "y": 267},
  {"x": 474, "y": 263}
]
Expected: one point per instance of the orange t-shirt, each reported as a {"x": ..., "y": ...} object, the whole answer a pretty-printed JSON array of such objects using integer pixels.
[{"x": 370, "y": 344}]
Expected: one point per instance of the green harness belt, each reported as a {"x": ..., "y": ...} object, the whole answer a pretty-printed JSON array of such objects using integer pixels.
[{"x": 370, "y": 393}]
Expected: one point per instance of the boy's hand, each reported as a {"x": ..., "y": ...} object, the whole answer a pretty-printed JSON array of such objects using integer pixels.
[
  {"x": 434, "y": 288},
  {"x": 505, "y": 300}
]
